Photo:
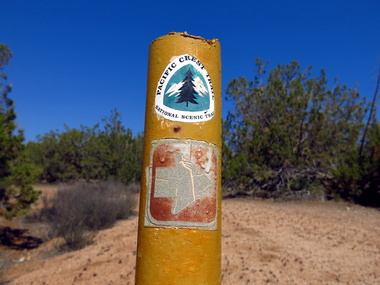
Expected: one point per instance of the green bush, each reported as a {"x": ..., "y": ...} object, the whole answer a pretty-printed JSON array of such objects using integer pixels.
[
  {"x": 358, "y": 181},
  {"x": 79, "y": 209}
]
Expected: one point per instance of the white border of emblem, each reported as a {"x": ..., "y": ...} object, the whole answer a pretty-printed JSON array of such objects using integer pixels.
[{"x": 177, "y": 115}]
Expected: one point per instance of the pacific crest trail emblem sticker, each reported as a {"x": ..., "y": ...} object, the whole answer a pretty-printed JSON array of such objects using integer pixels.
[
  {"x": 182, "y": 185},
  {"x": 184, "y": 91}
]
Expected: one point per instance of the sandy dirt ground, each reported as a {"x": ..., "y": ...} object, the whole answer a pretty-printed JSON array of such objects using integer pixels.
[{"x": 264, "y": 242}]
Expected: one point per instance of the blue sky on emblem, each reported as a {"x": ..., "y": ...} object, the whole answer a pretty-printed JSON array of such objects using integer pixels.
[{"x": 187, "y": 90}]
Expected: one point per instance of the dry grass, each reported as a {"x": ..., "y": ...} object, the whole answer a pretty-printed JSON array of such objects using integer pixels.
[{"x": 78, "y": 210}]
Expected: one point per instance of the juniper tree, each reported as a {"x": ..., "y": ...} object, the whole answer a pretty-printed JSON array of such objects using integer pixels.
[
  {"x": 17, "y": 175},
  {"x": 289, "y": 117}
]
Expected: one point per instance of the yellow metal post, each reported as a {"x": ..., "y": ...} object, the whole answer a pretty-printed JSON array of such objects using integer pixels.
[{"x": 179, "y": 235}]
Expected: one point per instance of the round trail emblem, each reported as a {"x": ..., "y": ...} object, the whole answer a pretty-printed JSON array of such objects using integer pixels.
[{"x": 184, "y": 92}]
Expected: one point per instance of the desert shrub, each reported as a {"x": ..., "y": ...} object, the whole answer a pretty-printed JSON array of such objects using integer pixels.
[
  {"x": 133, "y": 188},
  {"x": 79, "y": 209}
]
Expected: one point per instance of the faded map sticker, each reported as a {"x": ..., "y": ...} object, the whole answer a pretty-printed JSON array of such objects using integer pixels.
[{"x": 182, "y": 185}]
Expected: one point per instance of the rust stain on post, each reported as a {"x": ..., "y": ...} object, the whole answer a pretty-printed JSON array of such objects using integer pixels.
[{"x": 179, "y": 236}]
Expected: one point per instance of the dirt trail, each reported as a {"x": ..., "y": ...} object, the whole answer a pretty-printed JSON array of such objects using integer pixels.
[{"x": 264, "y": 242}]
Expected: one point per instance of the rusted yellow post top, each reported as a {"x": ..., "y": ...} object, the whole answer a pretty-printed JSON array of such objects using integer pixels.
[{"x": 179, "y": 236}]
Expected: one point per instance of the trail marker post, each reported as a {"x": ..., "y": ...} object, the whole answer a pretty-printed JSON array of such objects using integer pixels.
[{"x": 179, "y": 235}]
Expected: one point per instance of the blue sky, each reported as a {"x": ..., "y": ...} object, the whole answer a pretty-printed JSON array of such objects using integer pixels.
[{"x": 76, "y": 60}]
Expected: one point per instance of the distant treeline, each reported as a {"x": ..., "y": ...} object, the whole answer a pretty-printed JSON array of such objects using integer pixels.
[
  {"x": 289, "y": 135},
  {"x": 106, "y": 151}
]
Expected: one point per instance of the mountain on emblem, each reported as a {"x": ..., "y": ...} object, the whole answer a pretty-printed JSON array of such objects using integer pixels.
[{"x": 187, "y": 91}]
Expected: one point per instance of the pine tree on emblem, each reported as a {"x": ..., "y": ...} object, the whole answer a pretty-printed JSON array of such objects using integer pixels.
[{"x": 187, "y": 91}]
